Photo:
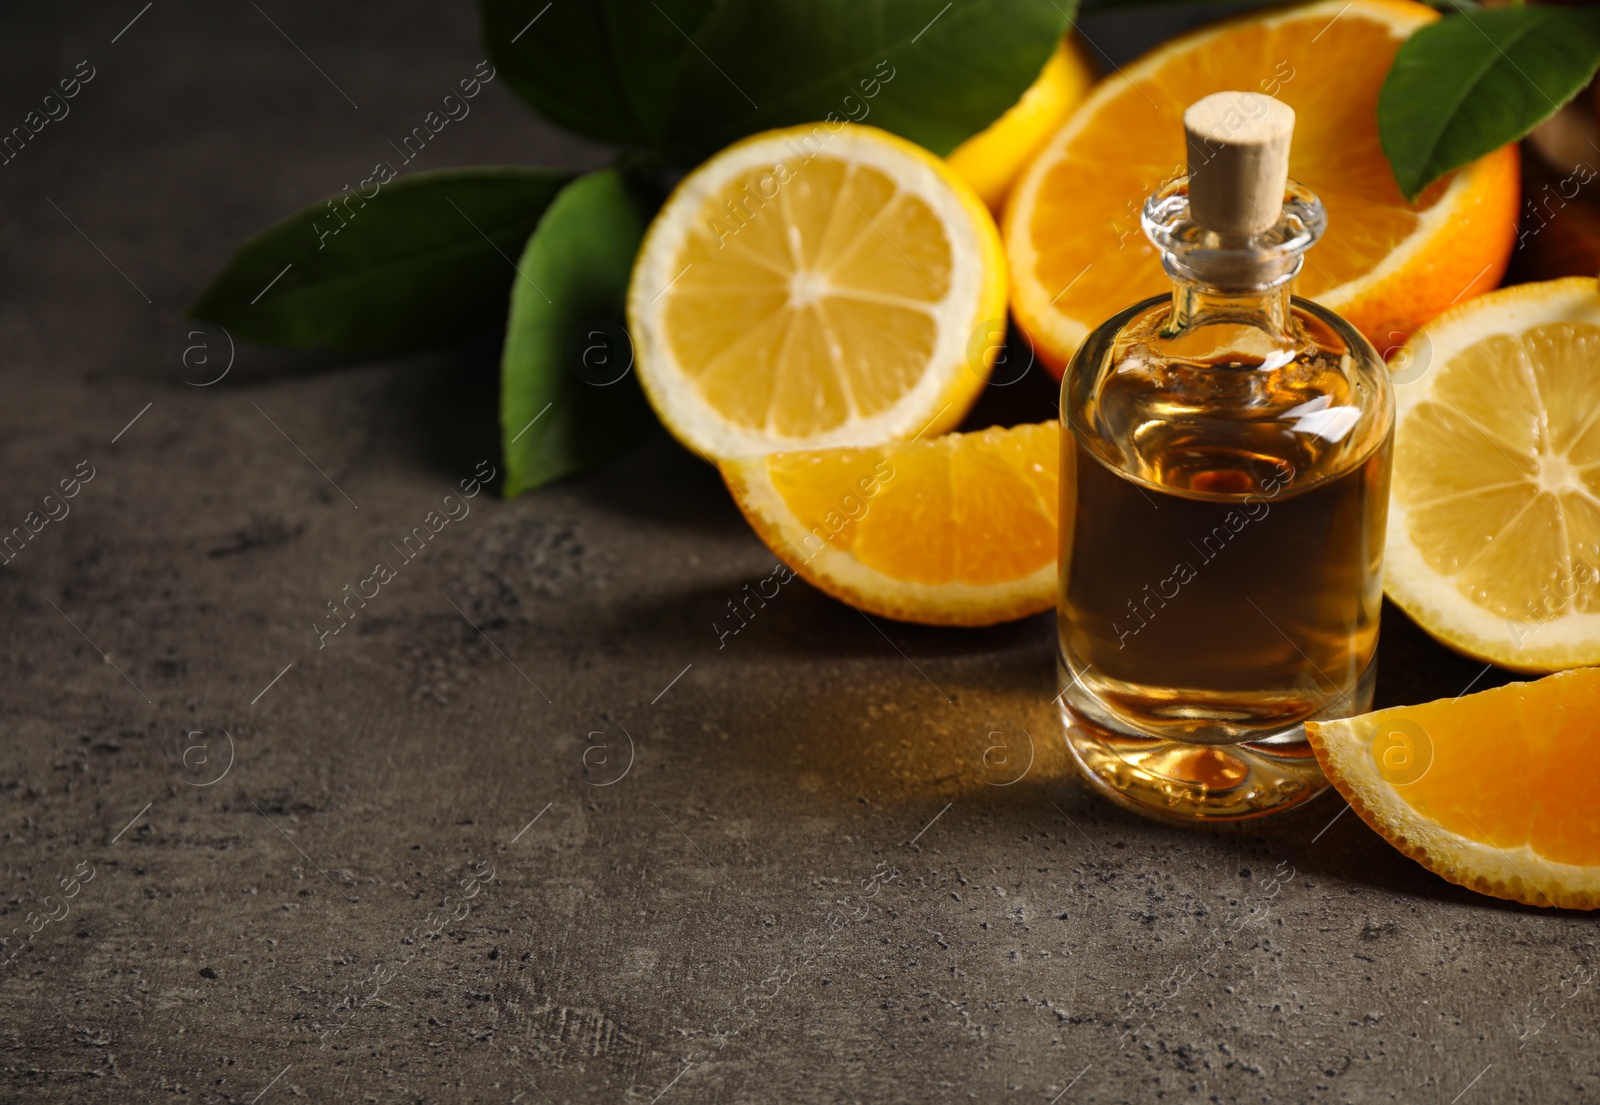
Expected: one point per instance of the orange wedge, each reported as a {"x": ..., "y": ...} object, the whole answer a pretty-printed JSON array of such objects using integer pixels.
[
  {"x": 1072, "y": 232},
  {"x": 1491, "y": 791},
  {"x": 958, "y": 530}
]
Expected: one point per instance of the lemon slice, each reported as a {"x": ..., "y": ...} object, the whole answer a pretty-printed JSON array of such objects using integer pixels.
[
  {"x": 1494, "y": 516},
  {"x": 959, "y": 530},
  {"x": 817, "y": 286}
]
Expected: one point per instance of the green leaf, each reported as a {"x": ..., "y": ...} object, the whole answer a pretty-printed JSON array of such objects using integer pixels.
[
  {"x": 933, "y": 71},
  {"x": 1475, "y": 80},
  {"x": 568, "y": 396},
  {"x": 384, "y": 267},
  {"x": 1101, "y": 5},
  {"x": 599, "y": 67}
]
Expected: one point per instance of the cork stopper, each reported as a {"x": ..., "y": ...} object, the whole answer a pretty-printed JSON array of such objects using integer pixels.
[{"x": 1238, "y": 161}]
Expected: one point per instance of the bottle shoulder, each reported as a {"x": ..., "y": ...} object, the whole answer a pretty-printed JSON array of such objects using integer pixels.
[{"x": 1301, "y": 400}]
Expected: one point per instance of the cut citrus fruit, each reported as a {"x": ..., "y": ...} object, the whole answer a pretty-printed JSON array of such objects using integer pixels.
[
  {"x": 817, "y": 286},
  {"x": 957, "y": 530},
  {"x": 1490, "y": 791},
  {"x": 1073, "y": 237},
  {"x": 1494, "y": 510},
  {"x": 991, "y": 159}
]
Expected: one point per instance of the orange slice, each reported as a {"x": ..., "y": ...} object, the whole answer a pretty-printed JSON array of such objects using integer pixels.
[
  {"x": 992, "y": 159},
  {"x": 1494, "y": 512},
  {"x": 1491, "y": 791},
  {"x": 828, "y": 284},
  {"x": 1072, "y": 231},
  {"x": 958, "y": 530}
]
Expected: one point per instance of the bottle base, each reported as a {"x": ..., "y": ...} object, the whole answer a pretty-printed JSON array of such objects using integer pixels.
[{"x": 1178, "y": 781}]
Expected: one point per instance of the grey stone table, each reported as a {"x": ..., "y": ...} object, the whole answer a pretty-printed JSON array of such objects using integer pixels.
[{"x": 800, "y": 867}]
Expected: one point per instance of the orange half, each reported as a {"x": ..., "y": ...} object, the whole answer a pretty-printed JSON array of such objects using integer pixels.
[{"x": 1072, "y": 232}]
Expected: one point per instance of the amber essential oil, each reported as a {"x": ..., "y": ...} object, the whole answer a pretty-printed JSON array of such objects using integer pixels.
[{"x": 1225, "y": 471}]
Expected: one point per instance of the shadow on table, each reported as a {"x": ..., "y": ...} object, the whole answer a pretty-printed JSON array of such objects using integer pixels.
[
  {"x": 974, "y": 724},
  {"x": 766, "y": 619},
  {"x": 659, "y": 481},
  {"x": 436, "y": 409}
]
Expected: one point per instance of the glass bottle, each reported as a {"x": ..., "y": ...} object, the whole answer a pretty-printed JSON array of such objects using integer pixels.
[{"x": 1225, "y": 479}]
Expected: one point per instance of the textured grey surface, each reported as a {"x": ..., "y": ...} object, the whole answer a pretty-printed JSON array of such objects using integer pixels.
[{"x": 810, "y": 884}]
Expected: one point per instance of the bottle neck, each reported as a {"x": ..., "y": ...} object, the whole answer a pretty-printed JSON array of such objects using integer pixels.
[
  {"x": 1228, "y": 280},
  {"x": 1195, "y": 304}
]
